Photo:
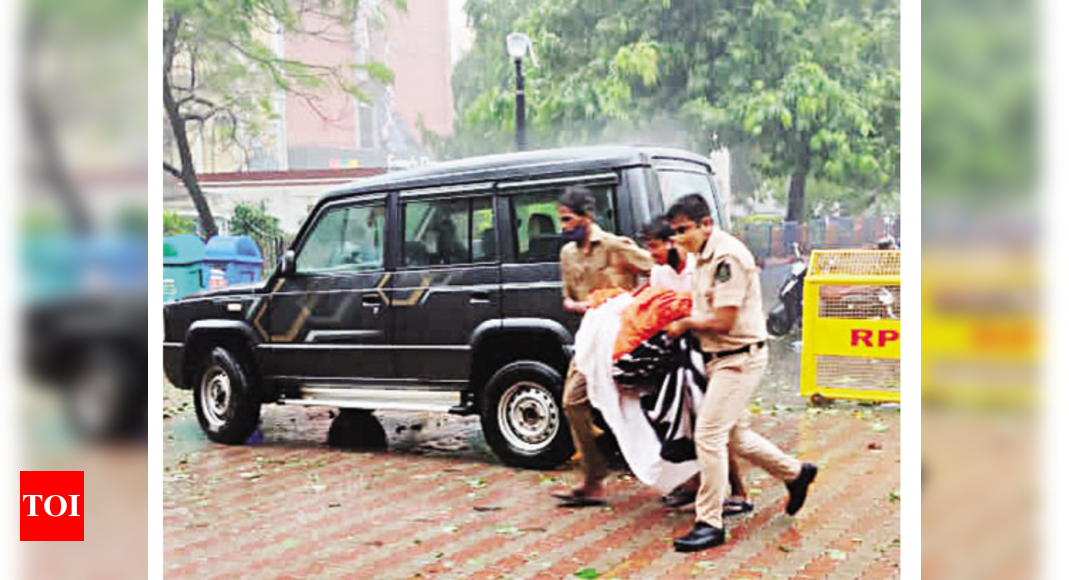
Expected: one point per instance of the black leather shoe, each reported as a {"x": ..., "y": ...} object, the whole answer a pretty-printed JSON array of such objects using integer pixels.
[
  {"x": 702, "y": 537},
  {"x": 799, "y": 488},
  {"x": 679, "y": 497}
]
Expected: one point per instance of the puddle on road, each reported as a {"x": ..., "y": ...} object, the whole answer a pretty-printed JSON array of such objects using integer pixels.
[
  {"x": 780, "y": 384},
  {"x": 435, "y": 434}
]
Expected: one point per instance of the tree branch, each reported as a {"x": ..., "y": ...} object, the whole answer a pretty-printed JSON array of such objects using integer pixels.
[
  {"x": 172, "y": 170},
  {"x": 170, "y": 38},
  {"x": 188, "y": 174},
  {"x": 199, "y": 100}
]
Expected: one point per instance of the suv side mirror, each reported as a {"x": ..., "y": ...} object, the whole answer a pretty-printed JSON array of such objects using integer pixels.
[{"x": 287, "y": 266}]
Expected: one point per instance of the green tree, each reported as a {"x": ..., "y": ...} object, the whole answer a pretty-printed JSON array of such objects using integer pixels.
[
  {"x": 824, "y": 103},
  {"x": 174, "y": 223},
  {"x": 220, "y": 71},
  {"x": 800, "y": 88}
]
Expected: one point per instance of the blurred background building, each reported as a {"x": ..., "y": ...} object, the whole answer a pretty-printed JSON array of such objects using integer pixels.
[{"x": 316, "y": 139}]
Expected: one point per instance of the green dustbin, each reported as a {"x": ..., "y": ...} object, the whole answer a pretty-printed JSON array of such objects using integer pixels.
[{"x": 184, "y": 269}]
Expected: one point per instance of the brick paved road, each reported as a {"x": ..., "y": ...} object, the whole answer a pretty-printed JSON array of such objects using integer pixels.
[{"x": 438, "y": 505}]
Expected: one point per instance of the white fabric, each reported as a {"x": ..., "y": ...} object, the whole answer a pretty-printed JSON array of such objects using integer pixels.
[
  {"x": 622, "y": 413},
  {"x": 665, "y": 276}
]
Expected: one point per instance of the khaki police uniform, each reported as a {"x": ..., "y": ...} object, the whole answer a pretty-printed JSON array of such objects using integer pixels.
[
  {"x": 726, "y": 275},
  {"x": 608, "y": 261}
]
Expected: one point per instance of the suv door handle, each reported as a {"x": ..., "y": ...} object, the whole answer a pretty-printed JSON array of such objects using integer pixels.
[
  {"x": 480, "y": 297},
  {"x": 372, "y": 299}
]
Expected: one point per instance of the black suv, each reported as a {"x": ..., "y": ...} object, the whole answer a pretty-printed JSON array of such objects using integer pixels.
[{"x": 429, "y": 289}]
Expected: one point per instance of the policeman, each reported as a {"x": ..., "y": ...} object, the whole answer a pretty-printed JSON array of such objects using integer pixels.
[
  {"x": 675, "y": 271},
  {"x": 590, "y": 259},
  {"x": 727, "y": 318}
]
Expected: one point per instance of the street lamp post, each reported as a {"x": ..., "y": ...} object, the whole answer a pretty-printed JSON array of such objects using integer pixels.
[
  {"x": 518, "y": 44},
  {"x": 521, "y": 108}
]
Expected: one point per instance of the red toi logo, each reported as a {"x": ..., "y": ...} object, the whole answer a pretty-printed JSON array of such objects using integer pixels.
[{"x": 53, "y": 506}]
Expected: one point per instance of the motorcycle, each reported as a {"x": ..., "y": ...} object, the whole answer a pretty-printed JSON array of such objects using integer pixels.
[{"x": 788, "y": 310}]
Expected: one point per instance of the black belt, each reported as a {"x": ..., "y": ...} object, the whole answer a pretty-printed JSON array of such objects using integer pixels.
[{"x": 754, "y": 347}]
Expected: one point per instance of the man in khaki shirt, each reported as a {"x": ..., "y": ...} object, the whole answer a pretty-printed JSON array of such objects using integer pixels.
[
  {"x": 591, "y": 259},
  {"x": 728, "y": 320}
]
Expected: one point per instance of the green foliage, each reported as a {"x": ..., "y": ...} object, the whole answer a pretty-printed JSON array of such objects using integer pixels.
[
  {"x": 132, "y": 220},
  {"x": 758, "y": 219},
  {"x": 174, "y": 223},
  {"x": 253, "y": 220},
  {"x": 805, "y": 87}
]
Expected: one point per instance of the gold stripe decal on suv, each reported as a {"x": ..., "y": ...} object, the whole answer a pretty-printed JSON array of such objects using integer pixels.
[{"x": 311, "y": 298}]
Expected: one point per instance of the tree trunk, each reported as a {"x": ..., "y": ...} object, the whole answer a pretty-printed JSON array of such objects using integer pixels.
[
  {"x": 796, "y": 197},
  {"x": 186, "y": 172},
  {"x": 796, "y": 193}
]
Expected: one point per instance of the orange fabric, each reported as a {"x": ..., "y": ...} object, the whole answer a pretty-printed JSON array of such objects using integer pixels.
[
  {"x": 602, "y": 295},
  {"x": 653, "y": 309}
]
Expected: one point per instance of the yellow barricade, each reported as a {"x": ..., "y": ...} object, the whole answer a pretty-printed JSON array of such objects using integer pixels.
[{"x": 850, "y": 325}]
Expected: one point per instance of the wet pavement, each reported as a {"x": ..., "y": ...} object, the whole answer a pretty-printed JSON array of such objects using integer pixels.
[{"x": 438, "y": 504}]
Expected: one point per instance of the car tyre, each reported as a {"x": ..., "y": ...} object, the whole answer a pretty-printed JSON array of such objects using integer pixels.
[
  {"x": 523, "y": 417},
  {"x": 227, "y": 405}
]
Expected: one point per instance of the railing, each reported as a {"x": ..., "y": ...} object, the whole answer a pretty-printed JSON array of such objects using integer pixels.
[
  {"x": 776, "y": 240},
  {"x": 850, "y": 325}
]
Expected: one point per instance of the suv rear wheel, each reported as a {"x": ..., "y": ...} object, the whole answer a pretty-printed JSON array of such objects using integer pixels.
[
  {"x": 522, "y": 416},
  {"x": 227, "y": 407}
]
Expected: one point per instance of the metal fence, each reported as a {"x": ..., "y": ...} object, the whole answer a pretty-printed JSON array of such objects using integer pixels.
[
  {"x": 776, "y": 240},
  {"x": 851, "y": 325}
]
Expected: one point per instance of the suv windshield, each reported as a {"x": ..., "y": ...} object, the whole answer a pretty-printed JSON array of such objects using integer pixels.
[{"x": 678, "y": 179}]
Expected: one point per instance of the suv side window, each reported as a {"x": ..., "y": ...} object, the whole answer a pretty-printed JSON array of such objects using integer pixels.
[
  {"x": 345, "y": 239},
  {"x": 449, "y": 231},
  {"x": 534, "y": 214}
]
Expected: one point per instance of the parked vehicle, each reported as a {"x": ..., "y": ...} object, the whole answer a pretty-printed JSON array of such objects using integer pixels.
[
  {"x": 788, "y": 309},
  {"x": 436, "y": 288}
]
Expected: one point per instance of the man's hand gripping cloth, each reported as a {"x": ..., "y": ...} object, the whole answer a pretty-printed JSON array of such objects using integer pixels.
[{"x": 623, "y": 412}]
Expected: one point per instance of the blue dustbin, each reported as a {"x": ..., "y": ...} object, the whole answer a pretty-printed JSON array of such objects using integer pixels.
[
  {"x": 184, "y": 269},
  {"x": 238, "y": 256}
]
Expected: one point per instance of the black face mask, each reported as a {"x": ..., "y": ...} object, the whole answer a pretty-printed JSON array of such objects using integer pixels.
[{"x": 673, "y": 259}]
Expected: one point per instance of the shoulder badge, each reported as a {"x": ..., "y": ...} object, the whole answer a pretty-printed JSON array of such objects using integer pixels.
[{"x": 723, "y": 272}]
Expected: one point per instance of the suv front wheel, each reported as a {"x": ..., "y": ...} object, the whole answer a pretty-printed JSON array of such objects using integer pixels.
[
  {"x": 227, "y": 407},
  {"x": 522, "y": 416}
]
